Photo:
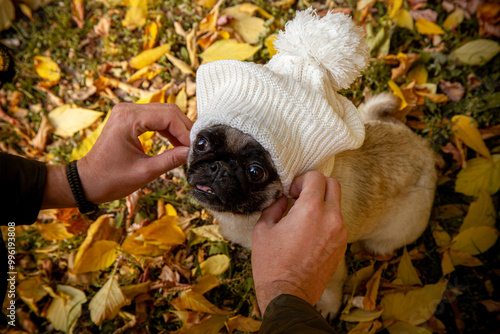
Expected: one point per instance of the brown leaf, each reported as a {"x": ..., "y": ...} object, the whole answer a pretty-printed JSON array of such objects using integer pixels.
[
  {"x": 102, "y": 27},
  {"x": 488, "y": 14},
  {"x": 428, "y": 14},
  {"x": 491, "y": 305},
  {"x": 78, "y": 11},
  {"x": 451, "y": 149},
  {"x": 454, "y": 90},
  {"x": 369, "y": 302}
]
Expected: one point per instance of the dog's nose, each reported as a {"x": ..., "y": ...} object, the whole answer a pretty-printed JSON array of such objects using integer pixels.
[{"x": 219, "y": 168}]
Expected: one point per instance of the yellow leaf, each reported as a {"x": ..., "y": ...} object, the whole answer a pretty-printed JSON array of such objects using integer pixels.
[
  {"x": 397, "y": 91},
  {"x": 480, "y": 174},
  {"x": 250, "y": 8},
  {"x": 206, "y": 3},
  {"x": 210, "y": 232},
  {"x": 55, "y": 231},
  {"x": 465, "y": 128},
  {"x": 426, "y": 27},
  {"x": 164, "y": 230},
  {"x": 107, "y": 302},
  {"x": 475, "y": 240},
  {"x": 170, "y": 210},
  {"x": 248, "y": 26},
  {"x": 481, "y": 212},
  {"x": 441, "y": 237},
  {"x": 181, "y": 99},
  {"x": 406, "y": 272},
  {"x": 196, "y": 302},
  {"x": 154, "y": 97},
  {"x": 205, "y": 284},
  {"x": 47, "y": 69},
  {"x": 84, "y": 148},
  {"x": 131, "y": 291},
  {"x": 148, "y": 57},
  {"x": 31, "y": 291},
  {"x": 436, "y": 98},
  {"x": 270, "y": 44},
  {"x": 136, "y": 245},
  {"x": 228, "y": 49},
  {"x": 477, "y": 52},
  {"x": 212, "y": 325},
  {"x": 7, "y": 14},
  {"x": 359, "y": 276},
  {"x": 99, "y": 256},
  {"x": 215, "y": 265},
  {"x": 447, "y": 264},
  {"x": 69, "y": 119},
  {"x": 362, "y": 4},
  {"x": 414, "y": 307},
  {"x": 182, "y": 66},
  {"x": 136, "y": 14},
  {"x": 394, "y": 6},
  {"x": 404, "y": 19},
  {"x": 150, "y": 34},
  {"x": 418, "y": 74},
  {"x": 63, "y": 312},
  {"x": 454, "y": 19},
  {"x": 369, "y": 302},
  {"x": 243, "y": 324},
  {"x": 460, "y": 258},
  {"x": 359, "y": 315},
  {"x": 404, "y": 327}
]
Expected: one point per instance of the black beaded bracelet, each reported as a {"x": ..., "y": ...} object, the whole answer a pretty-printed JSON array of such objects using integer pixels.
[{"x": 76, "y": 188}]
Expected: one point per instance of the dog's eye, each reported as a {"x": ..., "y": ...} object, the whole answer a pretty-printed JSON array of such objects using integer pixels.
[
  {"x": 256, "y": 173},
  {"x": 201, "y": 144}
]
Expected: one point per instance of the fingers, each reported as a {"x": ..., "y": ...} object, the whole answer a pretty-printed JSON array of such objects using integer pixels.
[
  {"x": 273, "y": 213},
  {"x": 166, "y": 161},
  {"x": 308, "y": 186},
  {"x": 333, "y": 193}
]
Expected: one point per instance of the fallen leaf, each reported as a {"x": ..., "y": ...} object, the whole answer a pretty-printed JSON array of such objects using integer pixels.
[
  {"x": 481, "y": 212},
  {"x": 447, "y": 266},
  {"x": 249, "y": 27},
  {"x": 206, "y": 3},
  {"x": 7, "y": 14},
  {"x": 181, "y": 100},
  {"x": 47, "y": 69},
  {"x": 164, "y": 230},
  {"x": 440, "y": 235},
  {"x": 136, "y": 14},
  {"x": 359, "y": 277},
  {"x": 394, "y": 6},
  {"x": 404, "y": 327},
  {"x": 78, "y": 12},
  {"x": 465, "y": 128},
  {"x": 487, "y": 15},
  {"x": 211, "y": 325},
  {"x": 491, "y": 305},
  {"x": 454, "y": 19},
  {"x": 428, "y": 14},
  {"x": 461, "y": 258},
  {"x": 64, "y": 311},
  {"x": 69, "y": 119},
  {"x": 370, "y": 327},
  {"x": 136, "y": 244},
  {"x": 406, "y": 272},
  {"x": 215, "y": 265},
  {"x": 242, "y": 324},
  {"x": 228, "y": 49},
  {"x": 205, "y": 284},
  {"x": 190, "y": 300},
  {"x": 31, "y": 291},
  {"x": 148, "y": 57},
  {"x": 102, "y": 27},
  {"x": 475, "y": 240},
  {"x": 182, "y": 66},
  {"x": 477, "y": 52},
  {"x": 415, "y": 306},
  {"x": 86, "y": 145},
  {"x": 454, "y": 90},
  {"x": 131, "y": 291},
  {"x": 100, "y": 255},
  {"x": 40, "y": 140},
  {"x": 426, "y": 27},
  {"x": 397, "y": 91},
  {"x": 55, "y": 231},
  {"x": 403, "y": 19},
  {"x": 207, "y": 232},
  {"x": 359, "y": 315},
  {"x": 480, "y": 173},
  {"x": 418, "y": 74},
  {"x": 107, "y": 302},
  {"x": 150, "y": 34},
  {"x": 369, "y": 302}
]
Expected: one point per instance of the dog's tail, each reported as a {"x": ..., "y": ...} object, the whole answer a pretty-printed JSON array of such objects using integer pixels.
[{"x": 381, "y": 107}]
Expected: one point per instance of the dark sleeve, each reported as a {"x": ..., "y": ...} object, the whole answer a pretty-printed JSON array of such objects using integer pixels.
[
  {"x": 290, "y": 314},
  {"x": 22, "y": 183}
]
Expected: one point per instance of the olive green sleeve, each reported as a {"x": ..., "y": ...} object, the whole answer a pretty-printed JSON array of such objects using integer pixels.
[{"x": 290, "y": 314}]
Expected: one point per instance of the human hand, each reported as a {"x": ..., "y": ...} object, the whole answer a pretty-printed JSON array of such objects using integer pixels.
[
  {"x": 299, "y": 253},
  {"x": 117, "y": 165}
]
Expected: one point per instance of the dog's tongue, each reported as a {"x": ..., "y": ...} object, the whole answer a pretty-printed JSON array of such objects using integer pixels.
[{"x": 204, "y": 188}]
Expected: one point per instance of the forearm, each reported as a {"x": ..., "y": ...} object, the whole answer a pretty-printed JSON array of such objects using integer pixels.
[{"x": 57, "y": 193}]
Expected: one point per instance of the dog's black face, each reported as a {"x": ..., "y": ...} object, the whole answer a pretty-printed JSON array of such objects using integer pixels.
[{"x": 229, "y": 171}]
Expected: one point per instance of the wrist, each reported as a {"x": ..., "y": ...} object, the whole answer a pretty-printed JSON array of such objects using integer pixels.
[
  {"x": 57, "y": 193},
  {"x": 270, "y": 291}
]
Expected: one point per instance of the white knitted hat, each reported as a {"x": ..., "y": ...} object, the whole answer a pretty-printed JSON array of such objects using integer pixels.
[{"x": 290, "y": 105}]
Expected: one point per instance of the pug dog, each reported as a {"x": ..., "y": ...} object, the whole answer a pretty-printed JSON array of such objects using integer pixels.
[{"x": 387, "y": 184}]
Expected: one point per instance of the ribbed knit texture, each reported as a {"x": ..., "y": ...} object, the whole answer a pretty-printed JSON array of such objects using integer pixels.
[{"x": 290, "y": 106}]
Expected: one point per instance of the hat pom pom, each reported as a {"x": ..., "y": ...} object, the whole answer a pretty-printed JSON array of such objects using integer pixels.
[{"x": 334, "y": 42}]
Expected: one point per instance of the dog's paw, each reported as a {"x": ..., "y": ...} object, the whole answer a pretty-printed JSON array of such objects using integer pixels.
[{"x": 330, "y": 303}]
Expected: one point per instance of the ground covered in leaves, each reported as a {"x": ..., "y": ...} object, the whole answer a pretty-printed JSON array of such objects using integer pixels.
[{"x": 118, "y": 270}]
